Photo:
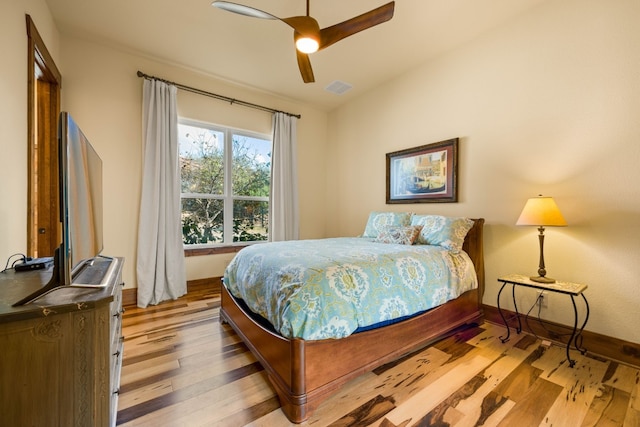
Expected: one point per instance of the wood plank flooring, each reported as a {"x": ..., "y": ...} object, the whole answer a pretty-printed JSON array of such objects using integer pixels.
[{"x": 182, "y": 368}]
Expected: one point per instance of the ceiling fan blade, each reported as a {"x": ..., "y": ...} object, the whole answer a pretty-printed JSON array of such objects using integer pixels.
[
  {"x": 302, "y": 24},
  {"x": 305, "y": 67},
  {"x": 242, "y": 10},
  {"x": 335, "y": 33}
]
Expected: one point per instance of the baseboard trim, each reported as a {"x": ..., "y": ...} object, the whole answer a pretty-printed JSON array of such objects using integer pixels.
[
  {"x": 130, "y": 295},
  {"x": 611, "y": 348}
]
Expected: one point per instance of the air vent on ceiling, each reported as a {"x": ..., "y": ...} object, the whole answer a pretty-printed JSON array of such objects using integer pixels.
[{"x": 338, "y": 87}]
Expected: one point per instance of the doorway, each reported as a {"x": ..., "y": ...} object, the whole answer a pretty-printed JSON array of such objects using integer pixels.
[{"x": 43, "y": 210}]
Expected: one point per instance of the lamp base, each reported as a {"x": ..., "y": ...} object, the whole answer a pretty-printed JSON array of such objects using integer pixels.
[{"x": 541, "y": 279}]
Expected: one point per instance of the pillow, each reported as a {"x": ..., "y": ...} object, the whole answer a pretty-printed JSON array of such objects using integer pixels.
[
  {"x": 399, "y": 235},
  {"x": 378, "y": 221},
  {"x": 448, "y": 232}
]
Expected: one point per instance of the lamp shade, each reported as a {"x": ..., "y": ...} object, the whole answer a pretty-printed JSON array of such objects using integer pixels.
[{"x": 541, "y": 211}]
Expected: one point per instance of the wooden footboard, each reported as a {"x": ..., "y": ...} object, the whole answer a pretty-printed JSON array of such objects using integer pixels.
[{"x": 304, "y": 373}]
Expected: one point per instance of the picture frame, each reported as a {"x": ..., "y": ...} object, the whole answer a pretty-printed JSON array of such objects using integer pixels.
[{"x": 425, "y": 174}]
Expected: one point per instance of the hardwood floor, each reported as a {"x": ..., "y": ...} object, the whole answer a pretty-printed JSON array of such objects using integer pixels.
[{"x": 182, "y": 368}]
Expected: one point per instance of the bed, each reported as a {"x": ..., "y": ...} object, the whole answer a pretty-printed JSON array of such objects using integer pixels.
[{"x": 299, "y": 369}]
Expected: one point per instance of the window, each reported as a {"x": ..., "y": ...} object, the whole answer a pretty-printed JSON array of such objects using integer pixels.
[{"x": 226, "y": 177}]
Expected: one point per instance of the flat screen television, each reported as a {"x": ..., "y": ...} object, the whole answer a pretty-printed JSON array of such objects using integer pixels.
[{"x": 78, "y": 261}]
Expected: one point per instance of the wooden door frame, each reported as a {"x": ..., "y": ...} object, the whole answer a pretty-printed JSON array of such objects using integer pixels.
[{"x": 43, "y": 109}]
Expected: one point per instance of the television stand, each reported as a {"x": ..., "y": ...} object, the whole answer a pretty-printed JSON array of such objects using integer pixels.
[{"x": 94, "y": 273}]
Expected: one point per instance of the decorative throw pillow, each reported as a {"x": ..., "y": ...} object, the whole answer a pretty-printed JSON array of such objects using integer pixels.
[
  {"x": 448, "y": 232},
  {"x": 378, "y": 221},
  {"x": 399, "y": 235}
]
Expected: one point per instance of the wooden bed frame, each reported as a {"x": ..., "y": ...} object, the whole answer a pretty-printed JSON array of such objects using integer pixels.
[{"x": 304, "y": 373}]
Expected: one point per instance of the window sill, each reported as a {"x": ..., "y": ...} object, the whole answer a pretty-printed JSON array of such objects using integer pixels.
[{"x": 213, "y": 250}]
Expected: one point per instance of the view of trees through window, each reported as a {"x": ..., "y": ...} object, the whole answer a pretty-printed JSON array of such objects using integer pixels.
[{"x": 225, "y": 175}]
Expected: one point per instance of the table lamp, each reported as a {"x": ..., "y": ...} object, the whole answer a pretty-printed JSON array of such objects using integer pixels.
[{"x": 543, "y": 212}]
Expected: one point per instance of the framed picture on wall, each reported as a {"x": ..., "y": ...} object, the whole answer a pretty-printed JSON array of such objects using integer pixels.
[{"x": 425, "y": 174}]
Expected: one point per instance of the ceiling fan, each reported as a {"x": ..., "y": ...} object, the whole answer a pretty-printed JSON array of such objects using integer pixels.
[{"x": 308, "y": 36}]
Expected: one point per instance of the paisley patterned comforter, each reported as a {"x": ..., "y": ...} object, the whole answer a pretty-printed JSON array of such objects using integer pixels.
[{"x": 328, "y": 288}]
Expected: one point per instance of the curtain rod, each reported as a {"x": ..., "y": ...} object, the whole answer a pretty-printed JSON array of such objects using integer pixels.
[{"x": 216, "y": 96}]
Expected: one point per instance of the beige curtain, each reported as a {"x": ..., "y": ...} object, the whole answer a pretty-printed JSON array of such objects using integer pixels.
[
  {"x": 160, "y": 268},
  {"x": 284, "y": 222}
]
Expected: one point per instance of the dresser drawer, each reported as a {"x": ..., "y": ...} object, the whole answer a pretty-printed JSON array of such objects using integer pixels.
[{"x": 116, "y": 349}]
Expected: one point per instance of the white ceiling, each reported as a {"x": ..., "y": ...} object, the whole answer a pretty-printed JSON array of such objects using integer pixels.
[{"x": 260, "y": 53}]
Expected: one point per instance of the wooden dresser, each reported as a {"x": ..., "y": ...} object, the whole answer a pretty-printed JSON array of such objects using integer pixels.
[{"x": 60, "y": 356}]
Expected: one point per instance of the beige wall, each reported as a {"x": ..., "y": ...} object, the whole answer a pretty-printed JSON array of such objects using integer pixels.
[{"x": 550, "y": 104}]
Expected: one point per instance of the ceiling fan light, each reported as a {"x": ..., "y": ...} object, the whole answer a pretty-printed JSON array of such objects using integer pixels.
[{"x": 307, "y": 44}]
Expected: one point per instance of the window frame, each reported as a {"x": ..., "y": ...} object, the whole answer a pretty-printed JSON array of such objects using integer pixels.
[{"x": 227, "y": 197}]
